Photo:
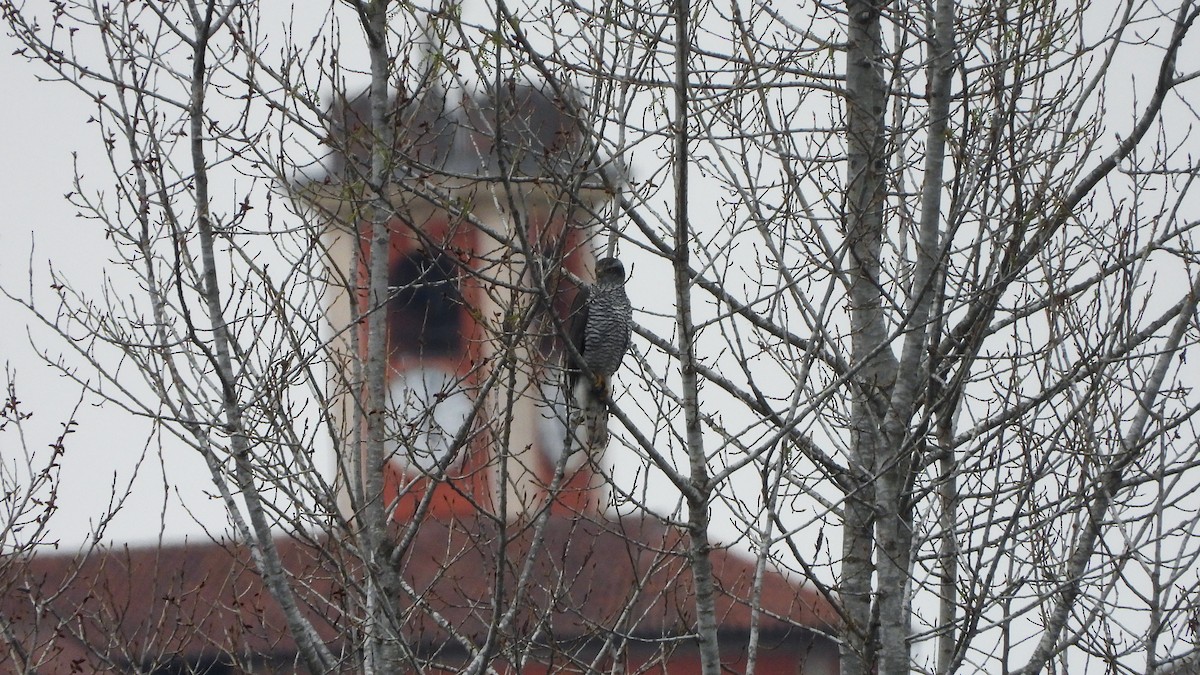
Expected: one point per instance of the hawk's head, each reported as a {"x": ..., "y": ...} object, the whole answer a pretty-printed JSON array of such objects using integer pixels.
[{"x": 610, "y": 271}]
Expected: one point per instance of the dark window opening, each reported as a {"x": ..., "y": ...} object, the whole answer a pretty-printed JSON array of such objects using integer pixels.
[{"x": 425, "y": 311}]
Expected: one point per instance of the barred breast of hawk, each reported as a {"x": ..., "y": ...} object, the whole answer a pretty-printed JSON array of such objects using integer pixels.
[{"x": 599, "y": 328}]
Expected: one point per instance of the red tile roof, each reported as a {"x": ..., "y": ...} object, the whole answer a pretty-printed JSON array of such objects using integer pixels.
[{"x": 587, "y": 580}]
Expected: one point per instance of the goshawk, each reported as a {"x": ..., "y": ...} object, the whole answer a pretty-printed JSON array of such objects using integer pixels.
[{"x": 599, "y": 328}]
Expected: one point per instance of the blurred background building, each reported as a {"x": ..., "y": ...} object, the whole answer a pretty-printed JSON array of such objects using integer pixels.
[
  {"x": 607, "y": 593},
  {"x": 480, "y": 186}
]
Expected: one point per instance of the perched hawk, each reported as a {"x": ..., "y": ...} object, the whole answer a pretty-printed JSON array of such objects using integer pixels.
[{"x": 599, "y": 327}]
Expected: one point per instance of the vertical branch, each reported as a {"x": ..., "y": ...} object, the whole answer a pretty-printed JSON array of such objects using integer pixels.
[
  {"x": 940, "y": 65},
  {"x": 699, "y": 497},
  {"x": 895, "y": 527},
  {"x": 375, "y": 375},
  {"x": 874, "y": 363},
  {"x": 383, "y": 647},
  {"x": 266, "y": 556},
  {"x": 766, "y": 533},
  {"x": 948, "y": 599}
]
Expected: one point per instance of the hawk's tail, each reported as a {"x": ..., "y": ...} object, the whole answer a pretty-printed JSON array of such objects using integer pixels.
[{"x": 589, "y": 419}]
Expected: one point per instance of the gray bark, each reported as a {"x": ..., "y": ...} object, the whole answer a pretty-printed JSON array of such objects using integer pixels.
[
  {"x": 874, "y": 363},
  {"x": 383, "y": 648},
  {"x": 316, "y": 656},
  {"x": 699, "y": 497},
  {"x": 894, "y": 498}
]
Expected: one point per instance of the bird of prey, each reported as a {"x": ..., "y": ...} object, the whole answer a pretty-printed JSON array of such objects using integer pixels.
[{"x": 599, "y": 328}]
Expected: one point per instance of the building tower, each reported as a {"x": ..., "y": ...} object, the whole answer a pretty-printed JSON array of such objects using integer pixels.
[{"x": 459, "y": 276}]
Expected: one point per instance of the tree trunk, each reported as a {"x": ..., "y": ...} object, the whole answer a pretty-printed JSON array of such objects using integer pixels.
[{"x": 874, "y": 364}]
